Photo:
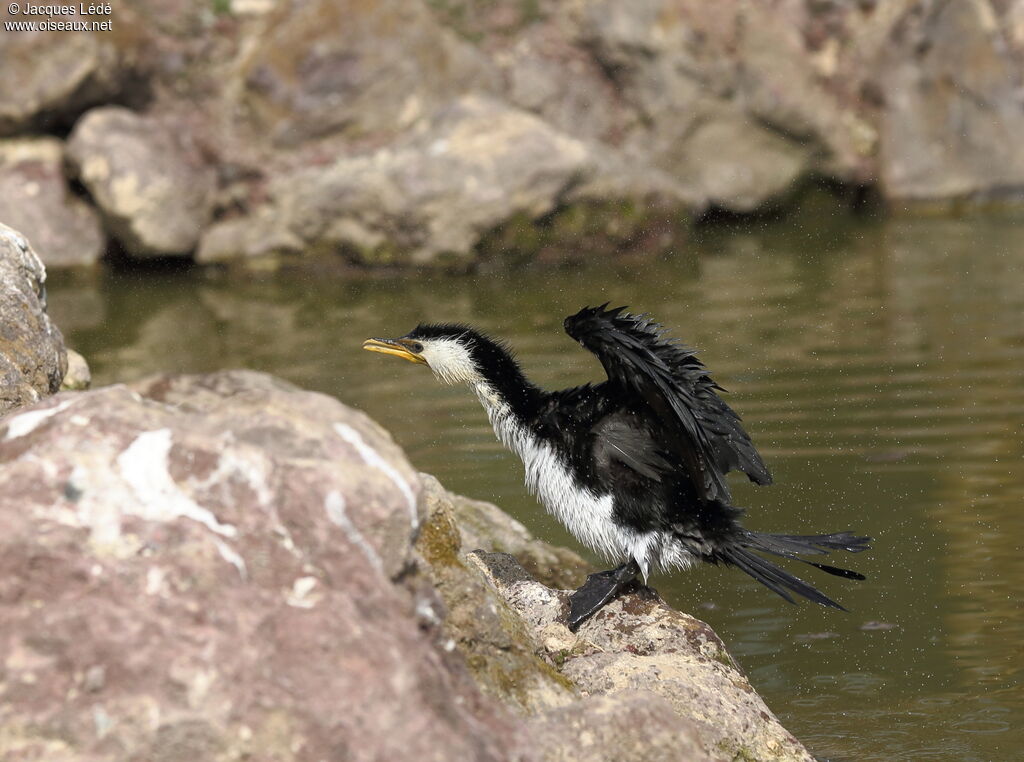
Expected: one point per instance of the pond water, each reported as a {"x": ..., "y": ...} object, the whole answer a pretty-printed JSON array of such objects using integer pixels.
[{"x": 878, "y": 367}]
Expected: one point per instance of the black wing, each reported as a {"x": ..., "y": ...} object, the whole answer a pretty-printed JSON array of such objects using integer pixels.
[
  {"x": 672, "y": 388},
  {"x": 618, "y": 439}
]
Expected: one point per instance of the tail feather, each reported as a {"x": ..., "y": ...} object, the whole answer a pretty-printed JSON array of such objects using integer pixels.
[
  {"x": 806, "y": 544},
  {"x": 792, "y": 546},
  {"x": 775, "y": 579},
  {"x": 838, "y": 571}
]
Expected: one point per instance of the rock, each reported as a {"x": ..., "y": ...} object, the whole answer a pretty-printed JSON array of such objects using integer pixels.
[
  {"x": 953, "y": 111},
  {"x": 683, "y": 71},
  {"x": 340, "y": 435},
  {"x": 484, "y": 526},
  {"x": 726, "y": 102},
  {"x": 486, "y": 23},
  {"x": 778, "y": 81},
  {"x": 222, "y": 566},
  {"x": 656, "y": 684},
  {"x": 495, "y": 643},
  {"x": 429, "y": 198},
  {"x": 32, "y": 355},
  {"x": 35, "y": 199},
  {"x": 548, "y": 72},
  {"x": 481, "y": 177},
  {"x": 201, "y": 567},
  {"x": 367, "y": 129},
  {"x": 1014, "y": 20},
  {"x": 150, "y": 184},
  {"x": 511, "y": 665},
  {"x": 357, "y": 68},
  {"x": 632, "y": 726},
  {"x": 79, "y": 377},
  {"x": 736, "y": 164},
  {"x": 51, "y": 77},
  {"x": 261, "y": 237},
  {"x": 636, "y": 643}
]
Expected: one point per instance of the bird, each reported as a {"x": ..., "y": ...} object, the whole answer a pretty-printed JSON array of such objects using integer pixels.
[{"x": 634, "y": 466}]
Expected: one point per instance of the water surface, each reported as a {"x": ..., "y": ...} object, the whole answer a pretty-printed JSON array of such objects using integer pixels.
[{"x": 879, "y": 369}]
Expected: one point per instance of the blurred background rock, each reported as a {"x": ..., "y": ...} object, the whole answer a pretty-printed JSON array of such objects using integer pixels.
[{"x": 422, "y": 131}]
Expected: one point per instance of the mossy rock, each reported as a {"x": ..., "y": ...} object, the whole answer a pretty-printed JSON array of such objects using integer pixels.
[
  {"x": 478, "y": 20},
  {"x": 500, "y": 653},
  {"x": 586, "y": 229}
]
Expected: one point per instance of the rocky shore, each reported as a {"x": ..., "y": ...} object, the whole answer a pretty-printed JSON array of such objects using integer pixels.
[
  {"x": 442, "y": 133},
  {"x": 227, "y": 567}
]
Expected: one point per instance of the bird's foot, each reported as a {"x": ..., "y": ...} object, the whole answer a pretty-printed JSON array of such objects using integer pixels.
[{"x": 597, "y": 591}]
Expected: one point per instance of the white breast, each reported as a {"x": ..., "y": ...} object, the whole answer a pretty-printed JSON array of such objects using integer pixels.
[{"x": 587, "y": 515}]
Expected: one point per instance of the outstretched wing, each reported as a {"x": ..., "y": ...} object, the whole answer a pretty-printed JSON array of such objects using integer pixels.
[{"x": 667, "y": 381}]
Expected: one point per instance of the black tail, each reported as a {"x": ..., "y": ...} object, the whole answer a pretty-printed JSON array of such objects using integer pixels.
[{"x": 792, "y": 546}]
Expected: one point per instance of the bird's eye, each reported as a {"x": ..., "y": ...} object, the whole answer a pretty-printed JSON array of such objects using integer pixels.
[{"x": 416, "y": 347}]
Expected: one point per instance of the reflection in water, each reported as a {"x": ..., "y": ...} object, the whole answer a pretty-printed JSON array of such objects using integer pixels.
[{"x": 881, "y": 375}]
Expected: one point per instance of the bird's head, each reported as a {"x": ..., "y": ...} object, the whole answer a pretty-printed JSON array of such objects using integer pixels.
[{"x": 455, "y": 353}]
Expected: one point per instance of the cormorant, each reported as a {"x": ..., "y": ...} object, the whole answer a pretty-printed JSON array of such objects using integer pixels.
[{"x": 634, "y": 466}]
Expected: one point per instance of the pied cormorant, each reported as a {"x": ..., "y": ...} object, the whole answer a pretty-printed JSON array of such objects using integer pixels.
[{"x": 634, "y": 466}]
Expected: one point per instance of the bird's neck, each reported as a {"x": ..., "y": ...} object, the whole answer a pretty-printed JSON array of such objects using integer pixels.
[
  {"x": 510, "y": 421},
  {"x": 509, "y": 398}
]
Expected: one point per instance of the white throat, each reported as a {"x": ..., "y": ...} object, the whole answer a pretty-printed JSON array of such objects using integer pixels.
[{"x": 450, "y": 361}]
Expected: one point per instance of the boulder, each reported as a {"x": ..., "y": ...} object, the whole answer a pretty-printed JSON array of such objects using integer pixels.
[
  {"x": 78, "y": 377},
  {"x": 35, "y": 199},
  {"x": 1014, "y": 21},
  {"x": 362, "y": 69},
  {"x": 426, "y": 199},
  {"x": 496, "y": 645},
  {"x": 632, "y": 726},
  {"x": 227, "y": 567},
  {"x": 434, "y": 196},
  {"x": 484, "y": 526},
  {"x": 548, "y": 71},
  {"x": 734, "y": 163},
  {"x": 51, "y": 77},
  {"x": 202, "y": 568},
  {"x": 638, "y": 644},
  {"x": 510, "y": 664},
  {"x": 150, "y": 183},
  {"x": 639, "y": 681},
  {"x": 32, "y": 355},
  {"x": 953, "y": 112},
  {"x": 724, "y": 100},
  {"x": 369, "y": 129}
]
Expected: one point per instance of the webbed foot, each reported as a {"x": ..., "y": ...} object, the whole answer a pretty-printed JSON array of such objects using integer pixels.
[{"x": 598, "y": 590}]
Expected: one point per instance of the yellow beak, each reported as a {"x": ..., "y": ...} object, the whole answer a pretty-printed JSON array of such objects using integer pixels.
[{"x": 396, "y": 347}]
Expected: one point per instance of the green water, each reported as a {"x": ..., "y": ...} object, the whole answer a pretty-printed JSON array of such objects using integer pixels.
[{"x": 880, "y": 370}]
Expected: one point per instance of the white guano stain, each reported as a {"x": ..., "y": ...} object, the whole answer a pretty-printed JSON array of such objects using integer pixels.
[
  {"x": 26, "y": 423},
  {"x": 373, "y": 459},
  {"x": 235, "y": 462},
  {"x": 303, "y": 594},
  {"x": 101, "y": 722},
  {"x": 156, "y": 581},
  {"x": 230, "y": 555},
  {"x": 334, "y": 504},
  {"x": 145, "y": 466}
]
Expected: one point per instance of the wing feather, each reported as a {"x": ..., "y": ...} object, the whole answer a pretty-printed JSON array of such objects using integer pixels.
[
  {"x": 692, "y": 423},
  {"x": 616, "y": 439}
]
